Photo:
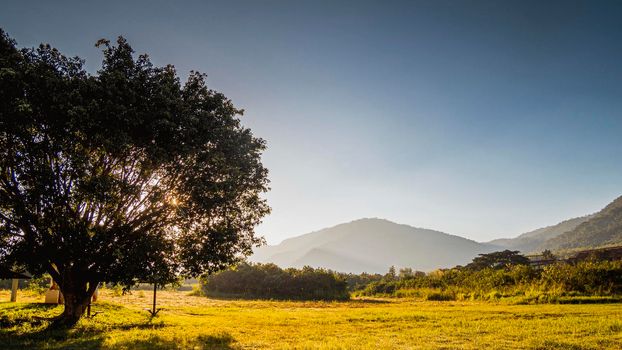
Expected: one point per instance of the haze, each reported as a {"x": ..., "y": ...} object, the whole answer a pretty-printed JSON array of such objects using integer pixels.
[{"x": 484, "y": 119}]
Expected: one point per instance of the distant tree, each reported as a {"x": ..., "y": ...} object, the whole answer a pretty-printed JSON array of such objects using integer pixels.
[
  {"x": 122, "y": 176},
  {"x": 497, "y": 260},
  {"x": 406, "y": 272},
  {"x": 547, "y": 254},
  {"x": 391, "y": 275},
  {"x": 356, "y": 282}
]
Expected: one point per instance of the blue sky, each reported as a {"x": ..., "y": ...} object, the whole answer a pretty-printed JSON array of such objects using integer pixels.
[{"x": 477, "y": 118}]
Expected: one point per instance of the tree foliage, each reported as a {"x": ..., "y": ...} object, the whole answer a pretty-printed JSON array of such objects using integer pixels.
[
  {"x": 601, "y": 230},
  {"x": 547, "y": 254},
  {"x": 589, "y": 277},
  {"x": 272, "y": 282},
  {"x": 356, "y": 282},
  {"x": 498, "y": 260},
  {"x": 123, "y": 175},
  {"x": 504, "y": 273}
]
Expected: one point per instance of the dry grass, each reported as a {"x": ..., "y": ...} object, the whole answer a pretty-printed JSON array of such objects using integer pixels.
[{"x": 192, "y": 322}]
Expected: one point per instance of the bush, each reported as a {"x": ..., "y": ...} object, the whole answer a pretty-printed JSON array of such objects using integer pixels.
[
  {"x": 441, "y": 296},
  {"x": 590, "y": 277},
  {"x": 521, "y": 283},
  {"x": 268, "y": 281},
  {"x": 39, "y": 284}
]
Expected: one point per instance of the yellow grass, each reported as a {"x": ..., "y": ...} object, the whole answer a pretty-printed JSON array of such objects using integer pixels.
[{"x": 192, "y": 322}]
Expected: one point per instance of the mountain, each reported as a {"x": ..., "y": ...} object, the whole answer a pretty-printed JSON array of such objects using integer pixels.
[
  {"x": 373, "y": 245},
  {"x": 531, "y": 242},
  {"x": 602, "y": 229}
]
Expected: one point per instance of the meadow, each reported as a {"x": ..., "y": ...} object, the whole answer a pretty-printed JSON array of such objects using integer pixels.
[{"x": 195, "y": 322}]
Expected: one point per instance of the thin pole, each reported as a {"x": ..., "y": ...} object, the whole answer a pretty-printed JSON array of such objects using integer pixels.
[
  {"x": 14, "y": 290},
  {"x": 88, "y": 308},
  {"x": 153, "y": 312}
]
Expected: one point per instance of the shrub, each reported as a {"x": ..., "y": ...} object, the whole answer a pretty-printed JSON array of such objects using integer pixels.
[
  {"x": 441, "y": 296},
  {"x": 520, "y": 282},
  {"x": 39, "y": 284},
  {"x": 268, "y": 281},
  {"x": 591, "y": 277}
]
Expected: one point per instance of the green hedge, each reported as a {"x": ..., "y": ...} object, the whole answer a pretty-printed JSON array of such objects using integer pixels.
[{"x": 268, "y": 281}]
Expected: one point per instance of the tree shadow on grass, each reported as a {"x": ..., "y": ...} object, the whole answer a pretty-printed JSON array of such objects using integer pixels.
[
  {"x": 77, "y": 338},
  {"x": 49, "y": 338},
  {"x": 29, "y": 306},
  {"x": 370, "y": 301},
  {"x": 138, "y": 325},
  {"x": 223, "y": 341},
  {"x": 38, "y": 315},
  {"x": 25, "y": 327},
  {"x": 26, "y": 310},
  {"x": 33, "y": 314}
]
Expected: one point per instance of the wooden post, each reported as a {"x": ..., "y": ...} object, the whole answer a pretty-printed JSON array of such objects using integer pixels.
[{"x": 14, "y": 290}]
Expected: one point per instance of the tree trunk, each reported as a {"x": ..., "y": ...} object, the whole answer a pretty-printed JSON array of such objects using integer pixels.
[
  {"x": 77, "y": 295},
  {"x": 75, "y": 306}
]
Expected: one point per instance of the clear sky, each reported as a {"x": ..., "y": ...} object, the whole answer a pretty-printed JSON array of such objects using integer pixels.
[{"x": 477, "y": 118}]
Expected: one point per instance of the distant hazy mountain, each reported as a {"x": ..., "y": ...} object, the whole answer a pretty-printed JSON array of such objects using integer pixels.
[
  {"x": 532, "y": 241},
  {"x": 373, "y": 245},
  {"x": 602, "y": 229}
]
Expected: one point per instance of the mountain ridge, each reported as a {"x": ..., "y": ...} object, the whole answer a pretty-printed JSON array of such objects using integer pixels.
[
  {"x": 532, "y": 241},
  {"x": 376, "y": 244},
  {"x": 602, "y": 229}
]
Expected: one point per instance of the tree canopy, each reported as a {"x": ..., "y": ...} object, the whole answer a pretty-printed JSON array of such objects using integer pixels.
[
  {"x": 271, "y": 282},
  {"x": 121, "y": 176},
  {"x": 498, "y": 260}
]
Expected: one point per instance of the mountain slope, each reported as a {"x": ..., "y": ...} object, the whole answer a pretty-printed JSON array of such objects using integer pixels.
[
  {"x": 531, "y": 241},
  {"x": 602, "y": 229},
  {"x": 372, "y": 245},
  {"x": 335, "y": 261}
]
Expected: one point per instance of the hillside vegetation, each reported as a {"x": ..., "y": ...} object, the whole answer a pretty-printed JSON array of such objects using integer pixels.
[
  {"x": 602, "y": 229},
  {"x": 531, "y": 242},
  {"x": 586, "y": 281}
]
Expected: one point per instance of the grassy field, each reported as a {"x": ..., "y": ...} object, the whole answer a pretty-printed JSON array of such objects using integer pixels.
[{"x": 191, "y": 322}]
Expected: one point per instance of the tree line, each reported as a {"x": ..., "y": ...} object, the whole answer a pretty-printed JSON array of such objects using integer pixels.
[
  {"x": 268, "y": 281},
  {"x": 505, "y": 274}
]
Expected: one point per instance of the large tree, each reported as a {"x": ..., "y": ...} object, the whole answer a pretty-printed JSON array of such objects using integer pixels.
[
  {"x": 121, "y": 176},
  {"x": 498, "y": 260}
]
